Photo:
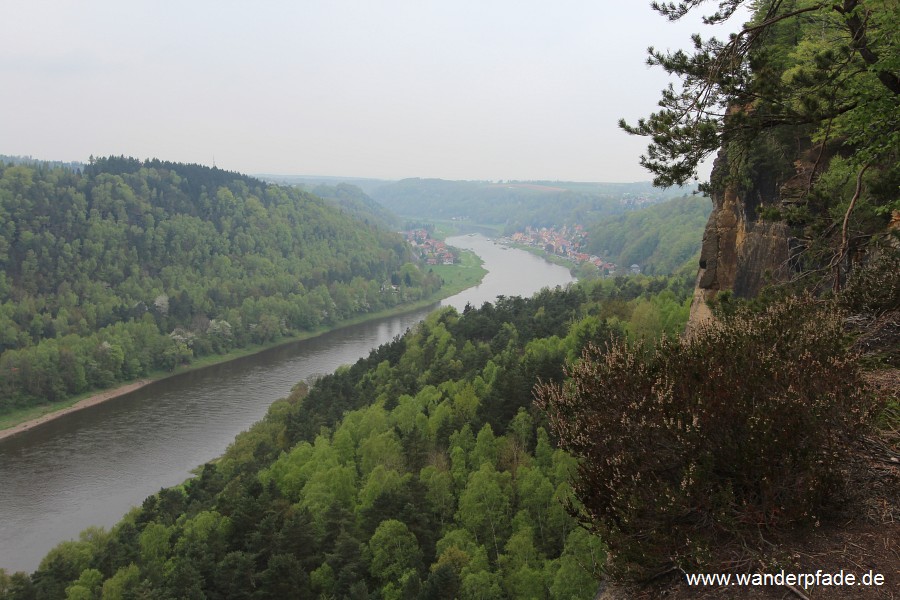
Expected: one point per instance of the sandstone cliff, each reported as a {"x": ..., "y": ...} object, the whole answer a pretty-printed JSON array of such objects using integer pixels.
[{"x": 741, "y": 253}]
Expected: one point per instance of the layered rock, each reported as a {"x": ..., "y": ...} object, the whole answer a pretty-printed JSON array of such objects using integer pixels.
[{"x": 741, "y": 253}]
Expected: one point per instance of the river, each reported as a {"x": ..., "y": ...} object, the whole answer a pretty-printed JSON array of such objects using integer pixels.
[{"x": 90, "y": 467}]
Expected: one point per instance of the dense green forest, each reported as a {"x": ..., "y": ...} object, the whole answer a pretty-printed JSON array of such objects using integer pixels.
[
  {"x": 421, "y": 471},
  {"x": 30, "y": 161},
  {"x": 425, "y": 470},
  {"x": 352, "y": 200},
  {"x": 662, "y": 238},
  {"x": 513, "y": 205},
  {"x": 129, "y": 266}
]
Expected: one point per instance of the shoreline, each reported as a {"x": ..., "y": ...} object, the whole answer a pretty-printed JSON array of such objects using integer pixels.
[
  {"x": 107, "y": 395},
  {"x": 204, "y": 362},
  {"x": 111, "y": 394},
  {"x": 91, "y": 400}
]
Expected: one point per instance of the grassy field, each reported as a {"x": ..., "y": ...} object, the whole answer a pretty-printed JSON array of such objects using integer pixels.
[
  {"x": 456, "y": 278},
  {"x": 461, "y": 276},
  {"x": 444, "y": 229}
]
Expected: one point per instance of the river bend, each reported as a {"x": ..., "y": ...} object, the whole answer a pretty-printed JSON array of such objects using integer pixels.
[{"x": 90, "y": 467}]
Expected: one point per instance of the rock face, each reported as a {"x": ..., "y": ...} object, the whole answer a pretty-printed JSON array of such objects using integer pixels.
[{"x": 740, "y": 252}]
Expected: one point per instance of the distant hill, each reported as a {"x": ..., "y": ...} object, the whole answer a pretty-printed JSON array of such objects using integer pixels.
[
  {"x": 351, "y": 194},
  {"x": 308, "y": 182},
  {"x": 28, "y": 160},
  {"x": 352, "y": 200},
  {"x": 661, "y": 239},
  {"x": 514, "y": 204}
]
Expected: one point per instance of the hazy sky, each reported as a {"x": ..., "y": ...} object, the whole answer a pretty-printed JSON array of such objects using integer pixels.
[{"x": 458, "y": 89}]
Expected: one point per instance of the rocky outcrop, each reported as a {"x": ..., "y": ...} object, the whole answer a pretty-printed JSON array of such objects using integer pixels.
[{"x": 740, "y": 252}]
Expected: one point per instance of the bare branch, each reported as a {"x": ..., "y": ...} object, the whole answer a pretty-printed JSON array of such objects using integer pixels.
[{"x": 844, "y": 239}]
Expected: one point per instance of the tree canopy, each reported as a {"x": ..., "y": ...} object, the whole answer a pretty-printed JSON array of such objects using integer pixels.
[
  {"x": 124, "y": 267},
  {"x": 662, "y": 238},
  {"x": 803, "y": 104},
  {"x": 421, "y": 471},
  {"x": 830, "y": 68}
]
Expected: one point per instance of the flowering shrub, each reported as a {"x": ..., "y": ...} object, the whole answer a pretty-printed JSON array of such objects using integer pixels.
[{"x": 687, "y": 450}]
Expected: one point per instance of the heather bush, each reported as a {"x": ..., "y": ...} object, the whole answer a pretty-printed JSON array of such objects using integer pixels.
[
  {"x": 688, "y": 450},
  {"x": 872, "y": 300},
  {"x": 874, "y": 287}
]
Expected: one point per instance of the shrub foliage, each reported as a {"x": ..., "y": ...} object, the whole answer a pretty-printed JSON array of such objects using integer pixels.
[{"x": 688, "y": 449}]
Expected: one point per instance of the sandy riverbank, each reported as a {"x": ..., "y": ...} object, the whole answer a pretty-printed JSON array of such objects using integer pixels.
[{"x": 97, "y": 398}]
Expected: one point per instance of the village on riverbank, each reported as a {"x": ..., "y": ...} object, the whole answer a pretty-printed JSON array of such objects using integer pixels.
[
  {"x": 429, "y": 249},
  {"x": 567, "y": 242}
]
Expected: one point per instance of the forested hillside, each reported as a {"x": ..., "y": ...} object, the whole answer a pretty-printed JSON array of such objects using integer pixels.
[
  {"x": 421, "y": 471},
  {"x": 513, "y": 205},
  {"x": 352, "y": 200},
  {"x": 30, "y": 161},
  {"x": 132, "y": 266},
  {"x": 662, "y": 238},
  {"x": 764, "y": 442}
]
